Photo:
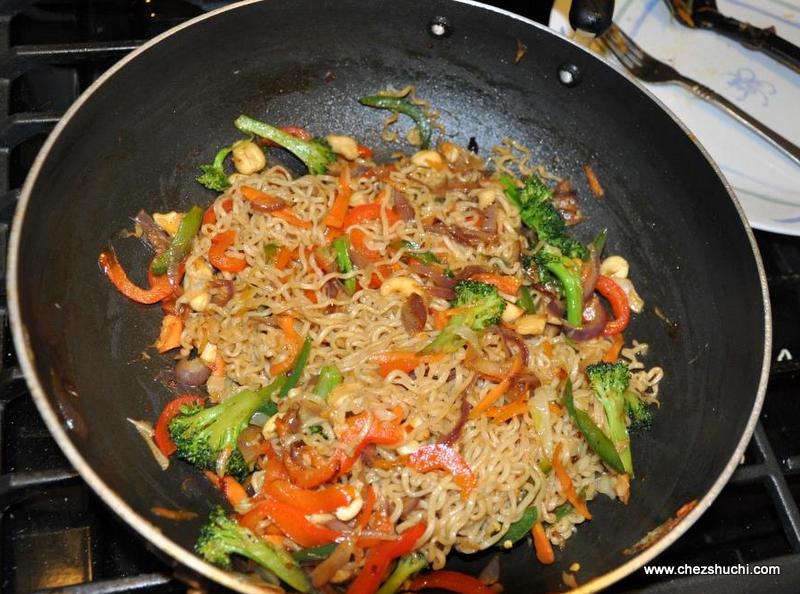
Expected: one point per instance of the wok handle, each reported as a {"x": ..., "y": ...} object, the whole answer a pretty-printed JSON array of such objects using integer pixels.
[{"x": 592, "y": 16}]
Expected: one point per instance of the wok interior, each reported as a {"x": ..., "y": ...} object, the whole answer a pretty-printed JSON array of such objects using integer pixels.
[{"x": 137, "y": 143}]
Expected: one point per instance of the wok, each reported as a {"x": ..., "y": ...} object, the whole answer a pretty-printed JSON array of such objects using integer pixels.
[{"x": 137, "y": 136}]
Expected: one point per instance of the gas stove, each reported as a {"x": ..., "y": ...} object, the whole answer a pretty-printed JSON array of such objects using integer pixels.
[{"x": 56, "y": 535}]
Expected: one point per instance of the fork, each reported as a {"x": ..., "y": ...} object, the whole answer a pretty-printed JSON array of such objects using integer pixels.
[{"x": 648, "y": 69}]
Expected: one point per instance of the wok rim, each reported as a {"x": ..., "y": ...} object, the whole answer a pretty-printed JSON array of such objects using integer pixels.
[{"x": 151, "y": 533}]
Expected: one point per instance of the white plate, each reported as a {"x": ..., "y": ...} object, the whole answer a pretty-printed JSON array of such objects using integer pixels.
[{"x": 766, "y": 182}]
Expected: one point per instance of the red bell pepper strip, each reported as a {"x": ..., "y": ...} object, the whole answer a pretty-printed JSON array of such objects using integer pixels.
[
  {"x": 366, "y": 213},
  {"x": 307, "y": 501},
  {"x": 233, "y": 491},
  {"x": 452, "y": 581},
  {"x": 317, "y": 472},
  {"x": 364, "y": 151},
  {"x": 160, "y": 287},
  {"x": 439, "y": 456},
  {"x": 291, "y": 521},
  {"x": 272, "y": 465},
  {"x": 619, "y": 305},
  {"x": 217, "y": 256},
  {"x": 379, "y": 433},
  {"x": 359, "y": 244},
  {"x": 380, "y": 556},
  {"x": 161, "y": 437}
]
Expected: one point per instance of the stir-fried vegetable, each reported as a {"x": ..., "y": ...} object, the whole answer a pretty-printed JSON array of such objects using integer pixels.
[
  {"x": 452, "y": 581},
  {"x": 380, "y": 557},
  {"x": 406, "y": 107},
  {"x": 181, "y": 243},
  {"x": 329, "y": 378},
  {"x": 520, "y": 529},
  {"x": 221, "y": 537},
  {"x": 476, "y": 306},
  {"x": 213, "y": 176},
  {"x": 609, "y": 382},
  {"x": 315, "y": 154},
  {"x": 340, "y": 247},
  {"x": 297, "y": 371},
  {"x": 619, "y": 305},
  {"x": 406, "y": 567}
]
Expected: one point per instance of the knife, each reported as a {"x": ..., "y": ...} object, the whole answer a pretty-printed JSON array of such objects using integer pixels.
[{"x": 703, "y": 14}]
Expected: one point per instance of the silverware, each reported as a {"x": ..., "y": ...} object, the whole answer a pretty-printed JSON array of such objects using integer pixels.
[
  {"x": 645, "y": 67},
  {"x": 703, "y": 14}
]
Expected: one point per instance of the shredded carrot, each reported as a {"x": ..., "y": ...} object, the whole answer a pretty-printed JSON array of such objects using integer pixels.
[
  {"x": 495, "y": 393},
  {"x": 212, "y": 478},
  {"x": 612, "y": 354},
  {"x": 403, "y": 360},
  {"x": 594, "y": 183},
  {"x": 310, "y": 295},
  {"x": 293, "y": 344},
  {"x": 217, "y": 256},
  {"x": 503, "y": 413},
  {"x": 170, "y": 336},
  {"x": 556, "y": 409},
  {"x": 505, "y": 284},
  {"x": 364, "y": 151},
  {"x": 544, "y": 550},
  {"x": 232, "y": 490},
  {"x": 341, "y": 202},
  {"x": 547, "y": 348},
  {"x": 566, "y": 484},
  {"x": 283, "y": 257},
  {"x": 210, "y": 217},
  {"x": 288, "y": 216}
]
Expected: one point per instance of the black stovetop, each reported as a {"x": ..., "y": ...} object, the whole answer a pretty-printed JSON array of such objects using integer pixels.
[{"x": 55, "y": 535}]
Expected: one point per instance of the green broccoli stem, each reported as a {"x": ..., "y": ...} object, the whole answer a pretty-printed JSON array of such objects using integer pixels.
[
  {"x": 181, "y": 243},
  {"x": 404, "y": 106},
  {"x": 525, "y": 300},
  {"x": 311, "y": 153},
  {"x": 519, "y": 529},
  {"x": 406, "y": 567},
  {"x": 573, "y": 291},
  {"x": 329, "y": 378},
  {"x": 614, "y": 406},
  {"x": 343, "y": 261},
  {"x": 220, "y": 157},
  {"x": 562, "y": 510},
  {"x": 299, "y": 366},
  {"x": 595, "y": 437}
]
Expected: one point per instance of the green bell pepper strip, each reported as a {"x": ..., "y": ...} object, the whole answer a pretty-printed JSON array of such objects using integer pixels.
[
  {"x": 181, "y": 244},
  {"x": 595, "y": 437},
  {"x": 404, "y": 106},
  {"x": 562, "y": 510},
  {"x": 329, "y": 378},
  {"x": 340, "y": 245},
  {"x": 519, "y": 529},
  {"x": 314, "y": 553},
  {"x": 299, "y": 365},
  {"x": 525, "y": 300}
]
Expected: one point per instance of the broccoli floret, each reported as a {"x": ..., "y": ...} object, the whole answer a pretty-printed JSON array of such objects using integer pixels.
[
  {"x": 406, "y": 567},
  {"x": 480, "y": 306},
  {"x": 203, "y": 434},
  {"x": 568, "y": 274},
  {"x": 220, "y": 537},
  {"x": 213, "y": 176},
  {"x": 609, "y": 382},
  {"x": 536, "y": 209},
  {"x": 316, "y": 154},
  {"x": 639, "y": 413}
]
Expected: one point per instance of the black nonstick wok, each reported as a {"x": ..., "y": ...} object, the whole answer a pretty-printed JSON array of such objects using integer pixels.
[{"x": 136, "y": 138}]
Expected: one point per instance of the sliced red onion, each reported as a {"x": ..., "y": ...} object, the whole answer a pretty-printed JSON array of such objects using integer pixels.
[
  {"x": 594, "y": 320},
  {"x": 192, "y": 372},
  {"x": 589, "y": 272},
  {"x": 403, "y": 207},
  {"x": 511, "y": 336},
  {"x": 359, "y": 259},
  {"x": 441, "y": 293},
  {"x": 324, "y": 572},
  {"x": 433, "y": 274},
  {"x": 555, "y": 307},
  {"x": 452, "y": 436},
  {"x": 222, "y": 297},
  {"x": 153, "y": 235},
  {"x": 489, "y": 223},
  {"x": 491, "y": 573},
  {"x": 468, "y": 271},
  {"x": 414, "y": 314},
  {"x": 464, "y": 236},
  {"x": 249, "y": 443}
]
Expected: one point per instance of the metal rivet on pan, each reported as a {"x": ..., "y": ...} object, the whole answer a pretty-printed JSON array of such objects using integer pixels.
[
  {"x": 569, "y": 75},
  {"x": 440, "y": 27}
]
